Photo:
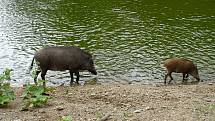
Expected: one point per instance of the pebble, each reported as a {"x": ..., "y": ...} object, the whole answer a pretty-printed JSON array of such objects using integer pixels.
[
  {"x": 138, "y": 111},
  {"x": 210, "y": 83},
  {"x": 209, "y": 100},
  {"x": 17, "y": 120},
  {"x": 149, "y": 108},
  {"x": 164, "y": 106},
  {"x": 93, "y": 94},
  {"x": 59, "y": 108},
  {"x": 42, "y": 111},
  {"x": 106, "y": 94},
  {"x": 71, "y": 93}
]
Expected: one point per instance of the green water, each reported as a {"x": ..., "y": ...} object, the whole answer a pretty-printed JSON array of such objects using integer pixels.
[{"x": 129, "y": 39}]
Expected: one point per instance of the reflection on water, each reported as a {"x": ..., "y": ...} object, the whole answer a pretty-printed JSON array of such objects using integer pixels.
[{"x": 129, "y": 39}]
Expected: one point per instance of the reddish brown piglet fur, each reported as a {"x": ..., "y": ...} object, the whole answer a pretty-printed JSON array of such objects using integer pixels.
[{"x": 180, "y": 65}]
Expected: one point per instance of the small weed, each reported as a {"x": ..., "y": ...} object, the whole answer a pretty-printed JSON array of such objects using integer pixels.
[
  {"x": 211, "y": 107},
  {"x": 207, "y": 109},
  {"x": 66, "y": 118},
  {"x": 6, "y": 75},
  {"x": 33, "y": 95},
  {"x": 6, "y": 91},
  {"x": 125, "y": 115},
  {"x": 33, "y": 74},
  {"x": 99, "y": 115}
]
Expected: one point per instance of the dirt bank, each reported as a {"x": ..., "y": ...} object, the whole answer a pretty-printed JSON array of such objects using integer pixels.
[{"x": 121, "y": 103}]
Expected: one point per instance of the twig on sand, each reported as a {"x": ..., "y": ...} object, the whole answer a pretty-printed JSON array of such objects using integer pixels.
[{"x": 104, "y": 118}]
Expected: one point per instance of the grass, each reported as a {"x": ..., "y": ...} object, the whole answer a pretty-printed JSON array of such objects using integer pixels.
[
  {"x": 6, "y": 92},
  {"x": 66, "y": 118}
]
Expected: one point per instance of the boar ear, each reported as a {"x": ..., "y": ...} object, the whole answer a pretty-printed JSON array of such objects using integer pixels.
[
  {"x": 91, "y": 57},
  {"x": 87, "y": 54}
]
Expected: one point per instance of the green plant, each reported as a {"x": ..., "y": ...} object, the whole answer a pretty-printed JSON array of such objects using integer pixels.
[
  {"x": 33, "y": 95},
  {"x": 33, "y": 73},
  {"x": 66, "y": 118},
  {"x": 6, "y": 75},
  {"x": 6, "y": 91},
  {"x": 209, "y": 108},
  {"x": 99, "y": 115}
]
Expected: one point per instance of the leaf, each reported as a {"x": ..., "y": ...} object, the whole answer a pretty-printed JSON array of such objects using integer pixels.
[
  {"x": 40, "y": 82},
  {"x": 33, "y": 96},
  {"x": 6, "y": 94},
  {"x": 66, "y": 118},
  {"x": 4, "y": 100},
  {"x": 6, "y": 74},
  {"x": 49, "y": 89}
]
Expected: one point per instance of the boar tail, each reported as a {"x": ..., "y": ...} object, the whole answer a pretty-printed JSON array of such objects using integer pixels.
[{"x": 31, "y": 66}]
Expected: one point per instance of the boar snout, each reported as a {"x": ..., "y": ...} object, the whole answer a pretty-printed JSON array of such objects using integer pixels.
[
  {"x": 197, "y": 78},
  {"x": 89, "y": 64},
  {"x": 195, "y": 73},
  {"x": 93, "y": 71}
]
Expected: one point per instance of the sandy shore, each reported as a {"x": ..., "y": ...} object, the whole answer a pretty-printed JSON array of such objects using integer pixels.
[{"x": 193, "y": 102}]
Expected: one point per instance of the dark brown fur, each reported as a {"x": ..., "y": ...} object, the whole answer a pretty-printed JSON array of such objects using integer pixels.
[
  {"x": 180, "y": 65},
  {"x": 63, "y": 58}
]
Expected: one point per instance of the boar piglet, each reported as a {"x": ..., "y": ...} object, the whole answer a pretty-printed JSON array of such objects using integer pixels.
[
  {"x": 62, "y": 58},
  {"x": 180, "y": 65}
]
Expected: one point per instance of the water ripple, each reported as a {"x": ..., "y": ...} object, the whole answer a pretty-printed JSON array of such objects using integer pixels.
[{"x": 129, "y": 39}]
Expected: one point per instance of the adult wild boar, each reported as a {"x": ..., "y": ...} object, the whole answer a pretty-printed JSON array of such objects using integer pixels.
[
  {"x": 63, "y": 58},
  {"x": 180, "y": 65}
]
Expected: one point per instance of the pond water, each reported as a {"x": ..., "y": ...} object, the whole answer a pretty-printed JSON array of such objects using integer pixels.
[{"x": 129, "y": 39}]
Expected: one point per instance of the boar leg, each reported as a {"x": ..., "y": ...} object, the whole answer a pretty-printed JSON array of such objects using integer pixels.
[
  {"x": 77, "y": 77},
  {"x": 184, "y": 77},
  {"x": 187, "y": 76},
  {"x": 168, "y": 74},
  {"x": 170, "y": 77},
  {"x": 43, "y": 73},
  {"x": 165, "y": 78},
  {"x": 71, "y": 75},
  {"x": 35, "y": 77}
]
